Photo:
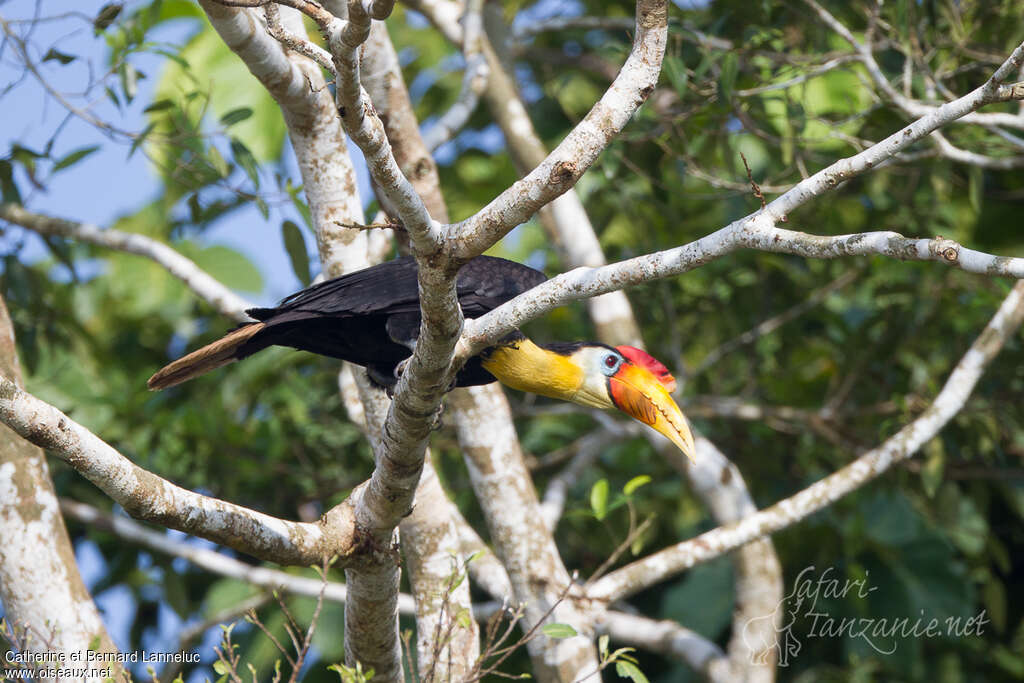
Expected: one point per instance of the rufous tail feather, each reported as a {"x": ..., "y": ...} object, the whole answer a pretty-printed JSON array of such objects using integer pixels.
[{"x": 201, "y": 361}]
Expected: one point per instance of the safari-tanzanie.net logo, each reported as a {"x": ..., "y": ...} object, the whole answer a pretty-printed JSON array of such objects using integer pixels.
[{"x": 882, "y": 634}]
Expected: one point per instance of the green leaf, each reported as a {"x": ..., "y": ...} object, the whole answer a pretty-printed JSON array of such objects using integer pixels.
[
  {"x": 975, "y": 187},
  {"x": 602, "y": 645},
  {"x": 105, "y": 17},
  {"x": 635, "y": 483},
  {"x": 236, "y": 115},
  {"x": 558, "y": 631},
  {"x": 159, "y": 105},
  {"x": 246, "y": 160},
  {"x": 8, "y": 188},
  {"x": 53, "y": 54},
  {"x": 218, "y": 162},
  {"x": 112, "y": 96},
  {"x": 300, "y": 205},
  {"x": 730, "y": 68},
  {"x": 129, "y": 81},
  {"x": 75, "y": 157},
  {"x": 295, "y": 245},
  {"x": 599, "y": 498},
  {"x": 137, "y": 142},
  {"x": 933, "y": 467},
  {"x": 220, "y": 668},
  {"x": 630, "y": 670}
]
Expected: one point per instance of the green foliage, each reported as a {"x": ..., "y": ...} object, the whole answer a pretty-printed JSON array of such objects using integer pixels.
[{"x": 940, "y": 535}]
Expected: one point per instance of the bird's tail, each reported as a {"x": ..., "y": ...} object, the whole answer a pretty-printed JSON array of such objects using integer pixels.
[{"x": 221, "y": 352}]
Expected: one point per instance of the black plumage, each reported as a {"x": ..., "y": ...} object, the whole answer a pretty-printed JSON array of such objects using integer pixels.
[{"x": 370, "y": 317}]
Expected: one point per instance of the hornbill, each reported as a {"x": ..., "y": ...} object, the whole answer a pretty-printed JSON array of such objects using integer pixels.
[{"x": 371, "y": 317}]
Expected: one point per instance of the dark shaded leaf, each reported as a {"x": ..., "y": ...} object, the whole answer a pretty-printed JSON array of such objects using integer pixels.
[
  {"x": 53, "y": 54},
  {"x": 236, "y": 115},
  {"x": 137, "y": 142},
  {"x": 74, "y": 157},
  {"x": 8, "y": 188},
  {"x": 159, "y": 105},
  {"x": 295, "y": 245},
  {"x": 245, "y": 159},
  {"x": 106, "y": 16}
]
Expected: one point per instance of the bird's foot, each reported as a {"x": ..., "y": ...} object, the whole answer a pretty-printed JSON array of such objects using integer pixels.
[
  {"x": 400, "y": 368},
  {"x": 438, "y": 421}
]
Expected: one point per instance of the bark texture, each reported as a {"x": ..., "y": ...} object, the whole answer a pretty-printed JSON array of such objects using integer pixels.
[{"x": 45, "y": 600}]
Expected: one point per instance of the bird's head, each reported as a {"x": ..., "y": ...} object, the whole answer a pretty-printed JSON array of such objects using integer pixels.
[
  {"x": 591, "y": 374},
  {"x": 630, "y": 380}
]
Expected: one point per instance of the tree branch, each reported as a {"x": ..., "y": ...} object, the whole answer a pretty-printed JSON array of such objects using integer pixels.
[
  {"x": 474, "y": 80},
  {"x": 210, "y": 560},
  {"x": 41, "y": 589},
  {"x": 899, "y": 447},
  {"x": 574, "y": 155},
  {"x": 146, "y": 496},
  {"x": 758, "y": 230},
  {"x": 205, "y": 286}
]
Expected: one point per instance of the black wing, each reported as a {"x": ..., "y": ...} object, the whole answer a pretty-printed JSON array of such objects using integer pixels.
[{"x": 391, "y": 288}]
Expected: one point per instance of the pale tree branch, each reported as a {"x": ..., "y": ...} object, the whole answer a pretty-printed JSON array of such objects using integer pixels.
[
  {"x": 295, "y": 42},
  {"x": 759, "y": 231},
  {"x": 41, "y": 589},
  {"x": 430, "y": 537},
  {"x": 574, "y": 155},
  {"x": 663, "y": 637},
  {"x": 898, "y": 448},
  {"x": 210, "y": 560},
  {"x": 751, "y": 653},
  {"x": 564, "y": 218},
  {"x": 364, "y": 126},
  {"x": 474, "y": 80},
  {"x": 521, "y": 539},
  {"x": 954, "y": 153},
  {"x": 199, "y": 281},
  {"x": 318, "y": 138},
  {"x": 909, "y": 106},
  {"x": 147, "y": 496},
  {"x": 615, "y": 324}
]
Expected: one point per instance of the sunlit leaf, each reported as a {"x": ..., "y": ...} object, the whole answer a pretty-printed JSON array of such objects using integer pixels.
[
  {"x": 599, "y": 498},
  {"x": 558, "y": 631}
]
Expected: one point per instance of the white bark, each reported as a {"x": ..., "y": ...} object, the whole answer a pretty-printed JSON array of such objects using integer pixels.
[
  {"x": 146, "y": 496},
  {"x": 949, "y": 401},
  {"x": 210, "y": 560},
  {"x": 474, "y": 81},
  {"x": 45, "y": 601},
  {"x": 521, "y": 540},
  {"x": 575, "y": 154}
]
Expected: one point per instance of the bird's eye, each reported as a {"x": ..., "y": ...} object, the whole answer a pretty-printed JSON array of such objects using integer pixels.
[{"x": 611, "y": 363}]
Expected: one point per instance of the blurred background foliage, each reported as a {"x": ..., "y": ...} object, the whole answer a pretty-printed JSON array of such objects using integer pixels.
[{"x": 941, "y": 536}]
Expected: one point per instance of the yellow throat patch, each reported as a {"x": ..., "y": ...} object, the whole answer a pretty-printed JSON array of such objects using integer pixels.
[{"x": 527, "y": 367}]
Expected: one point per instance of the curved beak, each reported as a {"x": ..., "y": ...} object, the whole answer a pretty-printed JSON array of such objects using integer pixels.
[{"x": 640, "y": 394}]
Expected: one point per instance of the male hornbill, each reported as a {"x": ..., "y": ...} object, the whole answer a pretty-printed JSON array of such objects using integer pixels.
[{"x": 371, "y": 318}]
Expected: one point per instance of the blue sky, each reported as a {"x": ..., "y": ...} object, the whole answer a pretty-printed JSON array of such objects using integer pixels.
[{"x": 110, "y": 183}]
